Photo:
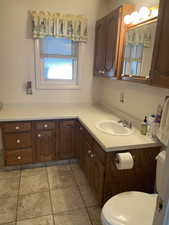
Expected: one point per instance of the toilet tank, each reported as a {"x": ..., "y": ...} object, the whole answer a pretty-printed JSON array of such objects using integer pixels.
[{"x": 159, "y": 171}]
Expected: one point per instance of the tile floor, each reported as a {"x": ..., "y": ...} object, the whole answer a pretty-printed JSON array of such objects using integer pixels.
[{"x": 48, "y": 195}]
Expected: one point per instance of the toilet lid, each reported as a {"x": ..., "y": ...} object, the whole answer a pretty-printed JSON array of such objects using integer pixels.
[{"x": 129, "y": 208}]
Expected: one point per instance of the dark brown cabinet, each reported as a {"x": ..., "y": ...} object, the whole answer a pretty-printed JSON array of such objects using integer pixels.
[
  {"x": 67, "y": 139},
  {"x": 109, "y": 40},
  {"x": 45, "y": 145},
  {"x": 100, "y": 47},
  {"x": 160, "y": 67}
]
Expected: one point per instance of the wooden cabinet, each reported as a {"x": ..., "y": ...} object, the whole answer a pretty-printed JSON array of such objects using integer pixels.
[
  {"x": 109, "y": 40},
  {"x": 67, "y": 139},
  {"x": 45, "y": 146},
  {"x": 100, "y": 47},
  {"x": 160, "y": 67},
  {"x": 140, "y": 178},
  {"x": 45, "y": 140},
  {"x": 18, "y": 144}
]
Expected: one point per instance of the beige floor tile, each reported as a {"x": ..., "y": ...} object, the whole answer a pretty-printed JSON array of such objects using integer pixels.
[
  {"x": 88, "y": 195},
  {"x": 9, "y": 187},
  {"x": 60, "y": 176},
  {"x": 9, "y": 173},
  {"x": 33, "y": 184},
  {"x": 77, "y": 217},
  {"x": 44, "y": 220},
  {"x": 95, "y": 215},
  {"x": 9, "y": 223},
  {"x": 8, "y": 210},
  {"x": 79, "y": 175},
  {"x": 34, "y": 205},
  {"x": 66, "y": 199},
  {"x": 33, "y": 171}
]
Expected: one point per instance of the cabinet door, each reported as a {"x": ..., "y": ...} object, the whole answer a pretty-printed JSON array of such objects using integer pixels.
[
  {"x": 67, "y": 142},
  {"x": 100, "y": 47},
  {"x": 112, "y": 42},
  {"x": 98, "y": 172},
  {"x": 160, "y": 67},
  {"x": 45, "y": 145}
]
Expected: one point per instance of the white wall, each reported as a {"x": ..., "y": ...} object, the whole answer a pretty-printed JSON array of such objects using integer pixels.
[
  {"x": 17, "y": 50},
  {"x": 139, "y": 99}
]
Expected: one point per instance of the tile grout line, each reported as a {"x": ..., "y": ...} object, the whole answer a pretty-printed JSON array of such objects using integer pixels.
[
  {"x": 17, "y": 206},
  {"x": 82, "y": 197},
  {"x": 50, "y": 196}
]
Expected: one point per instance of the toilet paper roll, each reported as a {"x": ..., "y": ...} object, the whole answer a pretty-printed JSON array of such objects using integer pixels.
[{"x": 124, "y": 161}]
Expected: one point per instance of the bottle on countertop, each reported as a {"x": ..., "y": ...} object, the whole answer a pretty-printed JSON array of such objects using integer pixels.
[
  {"x": 151, "y": 126},
  {"x": 157, "y": 119},
  {"x": 143, "y": 129}
]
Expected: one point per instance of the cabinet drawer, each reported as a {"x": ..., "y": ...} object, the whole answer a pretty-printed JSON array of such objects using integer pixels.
[
  {"x": 18, "y": 157},
  {"x": 45, "y": 125},
  {"x": 68, "y": 123},
  {"x": 16, "y": 127},
  {"x": 17, "y": 140}
]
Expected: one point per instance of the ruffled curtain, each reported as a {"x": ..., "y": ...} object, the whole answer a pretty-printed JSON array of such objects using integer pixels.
[
  {"x": 59, "y": 25},
  {"x": 140, "y": 36}
]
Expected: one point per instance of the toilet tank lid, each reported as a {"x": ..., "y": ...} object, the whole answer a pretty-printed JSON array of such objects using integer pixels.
[{"x": 161, "y": 156}]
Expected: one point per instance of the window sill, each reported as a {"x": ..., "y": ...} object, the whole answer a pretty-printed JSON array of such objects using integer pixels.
[{"x": 57, "y": 87}]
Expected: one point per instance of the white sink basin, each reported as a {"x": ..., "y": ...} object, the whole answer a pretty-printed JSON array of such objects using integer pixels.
[{"x": 112, "y": 127}]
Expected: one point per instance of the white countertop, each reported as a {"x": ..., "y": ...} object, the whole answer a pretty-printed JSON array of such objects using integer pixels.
[{"x": 87, "y": 114}]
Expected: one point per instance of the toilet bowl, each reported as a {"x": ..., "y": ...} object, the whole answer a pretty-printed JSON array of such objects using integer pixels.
[
  {"x": 129, "y": 208},
  {"x": 134, "y": 208}
]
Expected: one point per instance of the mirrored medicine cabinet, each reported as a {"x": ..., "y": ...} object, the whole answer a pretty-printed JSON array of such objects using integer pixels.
[{"x": 138, "y": 51}]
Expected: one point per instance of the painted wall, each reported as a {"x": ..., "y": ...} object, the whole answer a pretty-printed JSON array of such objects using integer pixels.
[
  {"x": 139, "y": 99},
  {"x": 17, "y": 51}
]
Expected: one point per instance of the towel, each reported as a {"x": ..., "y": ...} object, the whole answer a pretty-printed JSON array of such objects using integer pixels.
[{"x": 163, "y": 133}]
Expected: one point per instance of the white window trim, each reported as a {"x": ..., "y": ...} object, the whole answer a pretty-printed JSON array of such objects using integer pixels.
[{"x": 43, "y": 84}]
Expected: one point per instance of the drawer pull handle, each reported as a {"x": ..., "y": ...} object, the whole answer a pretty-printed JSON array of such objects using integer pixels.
[
  {"x": 39, "y": 135},
  {"x": 89, "y": 151},
  {"x": 45, "y": 125},
  {"x": 18, "y": 141},
  {"x": 19, "y": 157},
  {"x": 17, "y": 128},
  {"x": 92, "y": 155}
]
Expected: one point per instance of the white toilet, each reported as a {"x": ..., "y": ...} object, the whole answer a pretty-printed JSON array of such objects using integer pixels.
[{"x": 133, "y": 208}]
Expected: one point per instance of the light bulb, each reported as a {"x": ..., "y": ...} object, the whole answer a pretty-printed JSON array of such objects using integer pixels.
[
  {"x": 134, "y": 17},
  {"x": 127, "y": 19},
  {"x": 144, "y": 12},
  {"x": 154, "y": 12}
]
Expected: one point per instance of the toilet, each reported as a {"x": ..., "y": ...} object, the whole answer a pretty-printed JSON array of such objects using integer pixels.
[{"x": 131, "y": 208}]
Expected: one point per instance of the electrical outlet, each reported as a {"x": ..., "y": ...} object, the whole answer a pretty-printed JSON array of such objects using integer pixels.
[{"x": 122, "y": 97}]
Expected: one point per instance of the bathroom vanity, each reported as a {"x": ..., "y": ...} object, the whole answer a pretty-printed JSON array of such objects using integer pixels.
[{"x": 64, "y": 137}]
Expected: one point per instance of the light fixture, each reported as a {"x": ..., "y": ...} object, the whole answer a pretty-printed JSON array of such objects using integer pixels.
[
  {"x": 154, "y": 12},
  {"x": 144, "y": 12},
  {"x": 127, "y": 19},
  {"x": 135, "y": 17}
]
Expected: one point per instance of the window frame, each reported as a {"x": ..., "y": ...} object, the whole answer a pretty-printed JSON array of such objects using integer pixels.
[{"x": 54, "y": 84}]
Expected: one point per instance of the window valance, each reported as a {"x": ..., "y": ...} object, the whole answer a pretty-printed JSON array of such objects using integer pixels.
[{"x": 59, "y": 25}]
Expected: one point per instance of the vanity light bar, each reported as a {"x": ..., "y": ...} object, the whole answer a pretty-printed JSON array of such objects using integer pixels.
[{"x": 143, "y": 14}]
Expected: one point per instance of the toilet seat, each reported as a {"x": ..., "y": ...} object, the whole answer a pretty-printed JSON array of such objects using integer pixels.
[{"x": 129, "y": 208}]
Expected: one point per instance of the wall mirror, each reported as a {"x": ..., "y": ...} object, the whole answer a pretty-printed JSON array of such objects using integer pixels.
[{"x": 138, "y": 50}]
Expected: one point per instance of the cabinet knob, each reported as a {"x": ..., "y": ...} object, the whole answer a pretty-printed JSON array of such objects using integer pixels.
[
  {"x": 45, "y": 125},
  {"x": 101, "y": 71},
  {"x": 92, "y": 155},
  {"x": 17, "y": 128},
  {"x": 19, "y": 157},
  {"x": 18, "y": 141},
  {"x": 39, "y": 135},
  {"x": 89, "y": 151},
  {"x": 81, "y": 128}
]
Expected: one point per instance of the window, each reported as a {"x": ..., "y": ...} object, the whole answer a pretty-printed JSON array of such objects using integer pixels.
[{"x": 56, "y": 63}]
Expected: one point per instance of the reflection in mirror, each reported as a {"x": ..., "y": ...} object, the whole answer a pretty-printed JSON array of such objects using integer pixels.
[{"x": 139, "y": 44}]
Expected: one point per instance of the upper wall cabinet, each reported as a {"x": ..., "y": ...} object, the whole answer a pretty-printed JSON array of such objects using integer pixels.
[
  {"x": 159, "y": 73},
  {"x": 109, "y": 36}
]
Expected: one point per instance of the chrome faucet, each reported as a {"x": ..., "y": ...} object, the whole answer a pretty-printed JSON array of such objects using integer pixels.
[{"x": 126, "y": 123}]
